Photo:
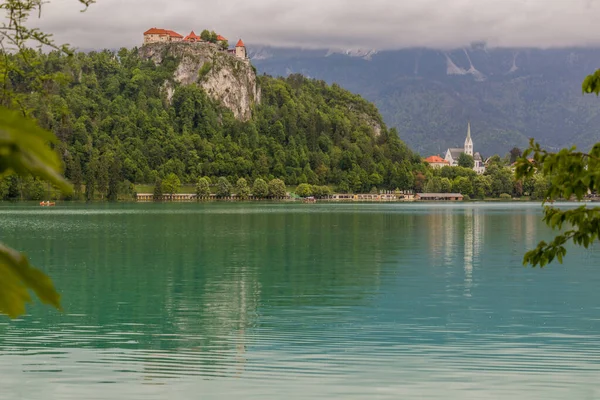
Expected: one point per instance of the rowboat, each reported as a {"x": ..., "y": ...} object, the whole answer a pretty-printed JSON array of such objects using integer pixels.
[{"x": 47, "y": 204}]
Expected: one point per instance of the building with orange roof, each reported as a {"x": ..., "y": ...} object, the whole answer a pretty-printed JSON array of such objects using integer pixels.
[
  {"x": 437, "y": 161},
  {"x": 192, "y": 38},
  {"x": 158, "y": 35},
  {"x": 240, "y": 50}
]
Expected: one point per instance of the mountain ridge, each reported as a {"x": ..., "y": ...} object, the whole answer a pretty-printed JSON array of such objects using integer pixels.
[{"x": 509, "y": 95}]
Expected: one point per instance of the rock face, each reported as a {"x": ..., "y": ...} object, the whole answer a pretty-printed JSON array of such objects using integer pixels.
[{"x": 223, "y": 76}]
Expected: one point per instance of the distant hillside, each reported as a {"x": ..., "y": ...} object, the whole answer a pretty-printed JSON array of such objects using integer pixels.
[
  {"x": 186, "y": 109},
  {"x": 509, "y": 95}
]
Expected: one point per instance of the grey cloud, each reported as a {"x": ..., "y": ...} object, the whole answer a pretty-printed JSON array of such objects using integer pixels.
[{"x": 382, "y": 24}]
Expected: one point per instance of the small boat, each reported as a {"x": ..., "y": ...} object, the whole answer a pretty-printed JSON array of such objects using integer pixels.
[
  {"x": 47, "y": 204},
  {"x": 309, "y": 200}
]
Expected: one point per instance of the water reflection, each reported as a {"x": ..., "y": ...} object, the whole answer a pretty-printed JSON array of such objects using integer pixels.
[{"x": 269, "y": 301}]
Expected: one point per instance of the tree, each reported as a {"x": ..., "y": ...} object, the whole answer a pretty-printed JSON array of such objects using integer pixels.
[
  {"x": 571, "y": 173},
  {"x": 90, "y": 179},
  {"x": 242, "y": 189},
  {"x": 205, "y": 35},
  {"x": 114, "y": 179},
  {"x": 202, "y": 188},
  {"x": 304, "y": 190},
  {"x": 260, "y": 189},
  {"x": 433, "y": 185},
  {"x": 462, "y": 185},
  {"x": 515, "y": 153},
  {"x": 102, "y": 179},
  {"x": 277, "y": 189},
  {"x": 171, "y": 184},
  {"x": 501, "y": 179},
  {"x": 223, "y": 187},
  {"x": 224, "y": 44},
  {"x": 466, "y": 161},
  {"x": 76, "y": 177},
  {"x": 158, "y": 189},
  {"x": 445, "y": 185}
]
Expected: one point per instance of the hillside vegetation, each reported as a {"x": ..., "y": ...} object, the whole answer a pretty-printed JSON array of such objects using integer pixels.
[
  {"x": 509, "y": 95},
  {"x": 122, "y": 120}
]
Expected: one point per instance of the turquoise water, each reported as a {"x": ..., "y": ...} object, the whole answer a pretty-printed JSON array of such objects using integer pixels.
[{"x": 271, "y": 301}]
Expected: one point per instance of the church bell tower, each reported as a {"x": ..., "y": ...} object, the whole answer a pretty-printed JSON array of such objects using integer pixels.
[{"x": 469, "y": 141}]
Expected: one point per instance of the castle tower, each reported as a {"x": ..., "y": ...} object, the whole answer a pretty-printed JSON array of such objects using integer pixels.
[
  {"x": 469, "y": 142},
  {"x": 240, "y": 50}
]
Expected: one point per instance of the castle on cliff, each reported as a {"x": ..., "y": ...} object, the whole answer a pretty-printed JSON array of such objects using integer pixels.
[{"x": 158, "y": 35}]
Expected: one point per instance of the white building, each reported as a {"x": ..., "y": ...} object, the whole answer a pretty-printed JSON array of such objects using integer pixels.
[{"x": 453, "y": 154}]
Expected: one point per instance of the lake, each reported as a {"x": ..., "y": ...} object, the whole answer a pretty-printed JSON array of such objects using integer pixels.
[{"x": 291, "y": 301}]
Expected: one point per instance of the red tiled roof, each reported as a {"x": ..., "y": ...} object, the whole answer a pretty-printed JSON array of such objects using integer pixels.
[
  {"x": 435, "y": 159},
  {"x": 155, "y": 31},
  {"x": 240, "y": 44},
  {"x": 192, "y": 36},
  {"x": 158, "y": 31},
  {"x": 173, "y": 34},
  {"x": 220, "y": 38}
]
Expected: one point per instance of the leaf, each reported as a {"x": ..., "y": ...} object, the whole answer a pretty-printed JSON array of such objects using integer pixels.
[
  {"x": 24, "y": 150},
  {"x": 17, "y": 278}
]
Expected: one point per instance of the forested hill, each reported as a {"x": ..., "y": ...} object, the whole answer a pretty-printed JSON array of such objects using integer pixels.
[
  {"x": 121, "y": 117},
  {"x": 509, "y": 95}
]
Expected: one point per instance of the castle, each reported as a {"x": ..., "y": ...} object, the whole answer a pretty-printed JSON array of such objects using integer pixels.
[
  {"x": 158, "y": 35},
  {"x": 453, "y": 154}
]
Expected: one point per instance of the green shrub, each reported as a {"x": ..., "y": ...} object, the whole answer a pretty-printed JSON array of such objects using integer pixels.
[
  {"x": 304, "y": 190},
  {"x": 206, "y": 67},
  {"x": 505, "y": 196}
]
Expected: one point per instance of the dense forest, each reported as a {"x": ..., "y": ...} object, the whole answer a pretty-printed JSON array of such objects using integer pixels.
[{"x": 118, "y": 127}]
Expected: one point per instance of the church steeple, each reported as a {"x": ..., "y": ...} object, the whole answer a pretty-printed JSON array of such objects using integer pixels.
[{"x": 469, "y": 141}]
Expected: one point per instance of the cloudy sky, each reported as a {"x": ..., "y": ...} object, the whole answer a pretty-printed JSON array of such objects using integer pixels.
[{"x": 380, "y": 24}]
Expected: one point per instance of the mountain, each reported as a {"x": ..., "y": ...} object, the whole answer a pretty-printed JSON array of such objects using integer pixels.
[
  {"x": 135, "y": 116},
  {"x": 509, "y": 95}
]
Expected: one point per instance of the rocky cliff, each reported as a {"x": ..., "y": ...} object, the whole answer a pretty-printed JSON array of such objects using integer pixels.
[{"x": 225, "y": 78}]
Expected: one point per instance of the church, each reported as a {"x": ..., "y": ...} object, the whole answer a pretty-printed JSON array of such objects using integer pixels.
[{"x": 452, "y": 155}]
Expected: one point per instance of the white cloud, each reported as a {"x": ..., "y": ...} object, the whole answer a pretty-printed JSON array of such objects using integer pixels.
[{"x": 383, "y": 24}]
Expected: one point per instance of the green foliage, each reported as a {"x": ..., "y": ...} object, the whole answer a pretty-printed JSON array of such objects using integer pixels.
[
  {"x": 434, "y": 185},
  {"x": 277, "y": 189},
  {"x": 445, "y": 185},
  {"x": 466, "y": 161},
  {"x": 462, "y": 185},
  {"x": 205, "y": 35},
  {"x": 563, "y": 175},
  {"x": 591, "y": 83},
  {"x": 111, "y": 110},
  {"x": 158, "y": 189},
  {"x": 18, "y": 277},
  {"x": 505, "y": 196},
  {"x": 171, "y": 184},
  {"x": 242, "y": 189},
  {"x": 203, "y": 188},
  {"x": 24, "y": 150},
  {"x": 260, "y": 188},
  {"x": 321, "y": 192},
  {"x": 515, "y": 153},
  {"x": 223, "y": 187},
  {"x": 206, "y": 68},
  {"x": 304, "y": 190}
]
